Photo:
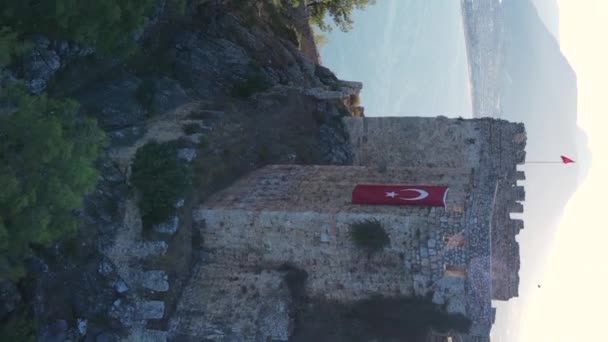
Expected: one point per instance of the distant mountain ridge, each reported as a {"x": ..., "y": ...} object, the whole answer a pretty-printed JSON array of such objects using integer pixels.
[
  {"x": 540, "y": 86},
  {"x": 540, "y": 89},
  {"x": 548, "y": 11}
]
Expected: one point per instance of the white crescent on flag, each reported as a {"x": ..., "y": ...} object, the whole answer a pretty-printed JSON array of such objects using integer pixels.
[
  {"x": 400, "y": 194},
  {"x": 421, "y": 195}
]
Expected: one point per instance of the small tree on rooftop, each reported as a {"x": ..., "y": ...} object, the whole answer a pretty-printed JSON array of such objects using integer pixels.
[{"x": 369, "y": 235}]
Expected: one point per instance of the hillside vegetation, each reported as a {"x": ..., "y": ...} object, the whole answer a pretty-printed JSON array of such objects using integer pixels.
[{"x": 46, "y": 166}]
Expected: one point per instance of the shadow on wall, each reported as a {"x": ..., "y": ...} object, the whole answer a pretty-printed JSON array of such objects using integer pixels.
[{"x": 375, "y": 319}]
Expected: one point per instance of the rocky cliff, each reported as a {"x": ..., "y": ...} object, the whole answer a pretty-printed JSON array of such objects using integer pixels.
[{"x": 229, "y": 85}]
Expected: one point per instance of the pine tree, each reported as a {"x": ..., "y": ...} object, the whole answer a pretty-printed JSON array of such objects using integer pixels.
[{"x": 46, "y": 166}]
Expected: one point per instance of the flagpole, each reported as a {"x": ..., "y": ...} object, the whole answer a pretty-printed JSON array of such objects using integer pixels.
[{"x": 565, "y": 160}]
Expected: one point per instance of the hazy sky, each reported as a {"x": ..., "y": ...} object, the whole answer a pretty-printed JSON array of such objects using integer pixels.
[
  {"x": 571, "y": 304},
  {"x": 409, "y": 55}
]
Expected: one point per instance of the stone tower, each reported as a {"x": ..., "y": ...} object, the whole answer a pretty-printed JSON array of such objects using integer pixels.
[{"x": 465, "y": 254}]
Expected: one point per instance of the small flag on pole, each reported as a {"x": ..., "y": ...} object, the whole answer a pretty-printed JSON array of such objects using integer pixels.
[{"x": 566, "y": 160}]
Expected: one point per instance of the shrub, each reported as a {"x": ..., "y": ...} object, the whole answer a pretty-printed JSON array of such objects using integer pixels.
[
  {"x": 46, "y": 167},
  {"x": 160, "y": 179},
  {"x": 369, "y": 235},
  {"x": 10, "y": 45},
  {"x": 320, "y": 39},
  {"x": 19, "y": 326},
  {"x": 255, "y": 82}
]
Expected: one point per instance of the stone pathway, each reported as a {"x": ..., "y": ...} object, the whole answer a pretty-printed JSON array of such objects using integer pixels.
[{"x": 143, "y": 285}]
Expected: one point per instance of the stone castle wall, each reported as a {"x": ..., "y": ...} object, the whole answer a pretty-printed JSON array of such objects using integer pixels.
[
  {"x": 491, "y": 149},
  {"x": 465, "y": 253},
  {"x": 257, "y": 221},
  {"x": 301, "y": 215},
  {"x": 415, "y": 141}
]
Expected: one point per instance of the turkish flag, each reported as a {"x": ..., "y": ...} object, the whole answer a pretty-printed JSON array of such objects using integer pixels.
[
  {"x": 426, "y": 195},
  {"x": 567, "y": 160}
]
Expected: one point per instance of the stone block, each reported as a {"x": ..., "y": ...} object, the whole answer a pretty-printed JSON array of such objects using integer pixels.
[
  {"x": 517, "y": 207},
  {"x": 153, "y": 309},
  {"x": 424, "y": 252},
  {"x": 120, "y": 286},
  {"x": 156, "y": 281},
  {"x": 186, "y": 154},
  {"x": 170, "y": 226}
]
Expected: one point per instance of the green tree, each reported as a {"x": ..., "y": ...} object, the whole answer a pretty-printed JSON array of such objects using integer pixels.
[
  {"x": 102, "y": 24},
  {"x": 10, "y": 45},
  {"x": 47, "y": 153},
  {"x": 340, "y": 12},
  {"x": 369, "y": 235}
]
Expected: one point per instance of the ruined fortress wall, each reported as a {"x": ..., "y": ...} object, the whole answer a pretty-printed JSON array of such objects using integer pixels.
[
  {"x": 301, "y": 215},
  {"x": 324, "y": 188},
  {"x": 414, "y": 141},
  {"x": 492, "y": 149},
  {"x": 508, "y": 152}
]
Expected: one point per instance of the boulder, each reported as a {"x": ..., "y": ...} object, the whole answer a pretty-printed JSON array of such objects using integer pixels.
[
  {"x": 170, "y": 226},
  {"x": 325, "y": 75},
  {"x": 81, "y": 324},
  {"x": 120, "y": 286},
  {"x": 114, "y": 102},
  {"x": 186, "y": 154},
  {"x": 153, "y": 309},
  {"x": 105, "y": 267},
  {"x": 211, "y": 66},
  {"x": 168, "y": 95},
  {"x": 40, "y": 64},
  {"x": 156, "y": 281}
]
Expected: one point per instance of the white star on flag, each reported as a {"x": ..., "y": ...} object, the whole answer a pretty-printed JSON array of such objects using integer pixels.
[{"x": 391, "y": 194}]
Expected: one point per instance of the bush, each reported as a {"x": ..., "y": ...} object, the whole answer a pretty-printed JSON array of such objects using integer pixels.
[
  {"x": 10, "y": 45},
  {"x": 19, "y": 326},
  {"x": 46, "y": 167},
  {"x": 160, "y": 179},
  {"x": 255, "y": 82},
  {"x": 369, "y": 235}
]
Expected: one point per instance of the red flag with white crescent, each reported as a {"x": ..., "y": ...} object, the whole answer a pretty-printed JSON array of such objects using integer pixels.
[{"x": 425, "y": 195}]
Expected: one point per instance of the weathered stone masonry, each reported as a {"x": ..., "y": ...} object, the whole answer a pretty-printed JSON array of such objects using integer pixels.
[
  {"x": 466, "y": 253},
  {"x": 492, "y": 149}
]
